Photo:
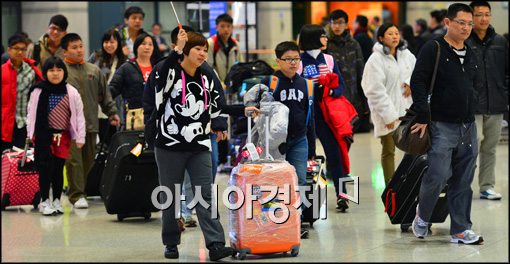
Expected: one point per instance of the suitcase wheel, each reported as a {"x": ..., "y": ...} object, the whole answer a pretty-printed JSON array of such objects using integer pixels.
[
  {"x": 36, "y": 200},
  {"x": 242, "y": 255},
  {"x": 405, "y": 227},
  {"x": 120, "y": 217},
  {"x": 6, "y": 201},
  {"x": 147, "y": 216},
  {"x": 294, "y": 252}
]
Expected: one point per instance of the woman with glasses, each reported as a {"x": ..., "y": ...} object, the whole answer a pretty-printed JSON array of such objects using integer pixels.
[
  {"x": 315, "y": 63},
  {"x": 385, "y": 81}
]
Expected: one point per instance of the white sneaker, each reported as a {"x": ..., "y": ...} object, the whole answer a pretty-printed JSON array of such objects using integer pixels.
[
  {"x": 43, "y": 205},
  {"x": 490, "y": 194},
  {"x": 81, "y": 203},
  {"x": 58, "y": 206}
]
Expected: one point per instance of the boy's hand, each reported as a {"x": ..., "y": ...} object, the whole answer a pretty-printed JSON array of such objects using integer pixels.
[{"x": 251, "y": 111}]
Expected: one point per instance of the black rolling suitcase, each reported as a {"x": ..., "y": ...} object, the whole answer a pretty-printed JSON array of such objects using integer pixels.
[
  {"x": 315, "y": 169},
  {"x": 96, "y": 172},
  {"x": 400, "y": 197},
  {"x": 128, "y": 180}
]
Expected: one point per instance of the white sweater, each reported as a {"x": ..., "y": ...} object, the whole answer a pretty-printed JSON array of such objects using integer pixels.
[{"x": 382, "y": 83}]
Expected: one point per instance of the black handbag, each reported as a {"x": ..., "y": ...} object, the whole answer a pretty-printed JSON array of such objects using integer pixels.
[{"x": 411, "y": 143}]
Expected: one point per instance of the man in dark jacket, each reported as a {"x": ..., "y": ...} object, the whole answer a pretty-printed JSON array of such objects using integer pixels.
[
  {"x": 361, "y": 36},
  {"x": 491, "y": 55},
  {"x": 349, "y": 57},
  {"x": 453, "y": 151}
]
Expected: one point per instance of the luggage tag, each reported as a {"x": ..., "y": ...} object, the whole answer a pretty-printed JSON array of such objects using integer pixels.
[
  {"x": 137, "y": 150},
  {"x": 254, "y": 155}
]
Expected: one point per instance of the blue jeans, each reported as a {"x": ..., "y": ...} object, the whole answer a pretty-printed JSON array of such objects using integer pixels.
[
  {"x": 452, "y": 160},
  {"x": 334, "y": 167},
  {"x": 214, "y": 156},
  {"x": 297, "y": 156},
  {"x": 188, "y": 194}
]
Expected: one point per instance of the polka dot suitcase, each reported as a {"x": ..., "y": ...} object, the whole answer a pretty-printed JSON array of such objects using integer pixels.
[{"x": 20, "y": 184}]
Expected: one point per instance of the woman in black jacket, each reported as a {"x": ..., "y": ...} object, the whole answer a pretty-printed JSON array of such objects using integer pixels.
[{"x": 130, "y": 78}]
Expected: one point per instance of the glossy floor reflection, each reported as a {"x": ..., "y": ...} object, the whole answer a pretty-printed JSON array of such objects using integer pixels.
[{"x": 364, "y": 234}]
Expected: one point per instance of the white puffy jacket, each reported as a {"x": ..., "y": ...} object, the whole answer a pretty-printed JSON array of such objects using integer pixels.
[{"x": 382, "y": 83}]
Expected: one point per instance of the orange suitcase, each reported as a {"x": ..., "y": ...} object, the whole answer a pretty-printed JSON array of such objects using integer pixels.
[{"x": 272, "y": 224}]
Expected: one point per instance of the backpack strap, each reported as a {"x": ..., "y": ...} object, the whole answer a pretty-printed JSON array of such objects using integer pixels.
[
  {"x": 329, "y": 61},
  {"x": 309, "y": 87},
  {"x": 273, "y": 83},
  {"x": 37, "y": 53}
]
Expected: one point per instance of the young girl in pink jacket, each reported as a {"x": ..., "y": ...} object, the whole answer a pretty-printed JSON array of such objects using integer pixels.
[{"x": 55, "y": 117}]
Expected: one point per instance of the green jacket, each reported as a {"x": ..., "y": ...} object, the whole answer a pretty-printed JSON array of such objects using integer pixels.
[{"x": 91, "y": 85}]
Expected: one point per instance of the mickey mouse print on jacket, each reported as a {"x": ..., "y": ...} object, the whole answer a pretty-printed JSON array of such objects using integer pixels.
[{"x": 185, "y": 122}]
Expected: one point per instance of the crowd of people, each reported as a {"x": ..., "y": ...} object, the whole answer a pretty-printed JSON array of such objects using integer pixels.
[{"x": 366, "y": 77}]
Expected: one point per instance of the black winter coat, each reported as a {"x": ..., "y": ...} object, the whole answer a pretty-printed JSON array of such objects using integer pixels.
[
  {"x": 491, "y": 55},
  {"x": 128, "y": 81}
]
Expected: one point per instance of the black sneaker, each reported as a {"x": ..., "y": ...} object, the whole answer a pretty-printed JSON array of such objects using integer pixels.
[
  {"x": 304, "y": 232},
  {"x": 171, "y": 252},
  {"x": 342, "y": 205},
  {"x": 218, "y": 251}
]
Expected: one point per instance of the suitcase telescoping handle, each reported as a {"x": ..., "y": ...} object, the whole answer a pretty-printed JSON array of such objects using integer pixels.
[
  {"x": 249, "y": 144},
  {"x": 25, "y": 150}
]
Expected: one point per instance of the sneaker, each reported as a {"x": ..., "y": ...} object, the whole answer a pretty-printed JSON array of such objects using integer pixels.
[
  {"x": 81, "y": 203},
  {"x": 218, "y": 251},
  {"x": 43, "y": 205},
  {"x": 58, "y": 206},
  {"x": 180, "y": 223},
  {"x": 420, "y": 227},
  {"x": 342, "y": 205},
  {"x": 467, "y": 237},
  {"x": 490, "y": 194},
  {"x": 304, "y": 232},
  {"x": 190, "y": 222},
  {"x": 49, "y": 210},
  {"x": 171, "y": 252}
]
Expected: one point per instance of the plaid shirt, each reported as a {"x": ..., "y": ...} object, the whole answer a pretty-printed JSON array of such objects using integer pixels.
[{"x": 25, "y": 79}]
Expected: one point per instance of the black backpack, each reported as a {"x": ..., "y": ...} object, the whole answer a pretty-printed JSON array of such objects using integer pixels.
[{"x": 242, "y": 71}]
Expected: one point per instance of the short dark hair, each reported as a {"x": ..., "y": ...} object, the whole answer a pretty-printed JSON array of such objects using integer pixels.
[
  {"x": 133, "y": 10},
  {"x": 362, "y": 20},
  {"x": 310, "y": 37},
  {"x": 194, "y": 39},
  {"x": 422, "y": 23},
  {"x": 69, "y": 37},
  {"x": 285, "y": 46},
  {"x": 60, "y": 21},
  {"x": 17, "y": 38},
  {"x": 224, "y": 18},
  {"x": 455, "y": 8},
  {"x": 139, "y": 40},
  {"x": 438, "y": 15},
  {"x": 377, "y": 19},
  {"x": 339, "y": 13},
  {"x": 51, "y": 62},
  {"x": 479, "y": 3},
  {"x": 175, "y": 32}
]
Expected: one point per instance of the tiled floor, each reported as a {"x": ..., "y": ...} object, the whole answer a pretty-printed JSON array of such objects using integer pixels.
[{"x": 364, "y": 234}]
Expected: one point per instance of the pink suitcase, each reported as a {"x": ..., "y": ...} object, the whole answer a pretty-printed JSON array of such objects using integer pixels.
[{"x": 20, "y": 184}]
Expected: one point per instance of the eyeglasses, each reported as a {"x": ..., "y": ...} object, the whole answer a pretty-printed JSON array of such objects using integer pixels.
[
  {"x": 291, "y": 60},
  {"x": 482, "y": 15},
  {"x": 19, "y": 49},
  {"x": 463, "y": 23},
  {"x": 337, "y": 23}
]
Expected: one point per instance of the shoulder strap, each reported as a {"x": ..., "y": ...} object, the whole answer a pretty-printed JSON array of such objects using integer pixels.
[
  {"x": 37, "y": 52},
  {"x": 273, "y": 83},
  {"x": 300, "y": 69},
  {"x": 432, "y": 82},
  {"x": 309, "y": 87},
  {"x": 329, "y": 61}
]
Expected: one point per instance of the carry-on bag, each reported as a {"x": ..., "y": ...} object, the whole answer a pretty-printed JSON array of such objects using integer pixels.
[
  {"x": 129, "y": 177},
  {"x": 400, "y": 196},
  {"x": 20, "y": 179},
  {"x": 270, "y": 223}
]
